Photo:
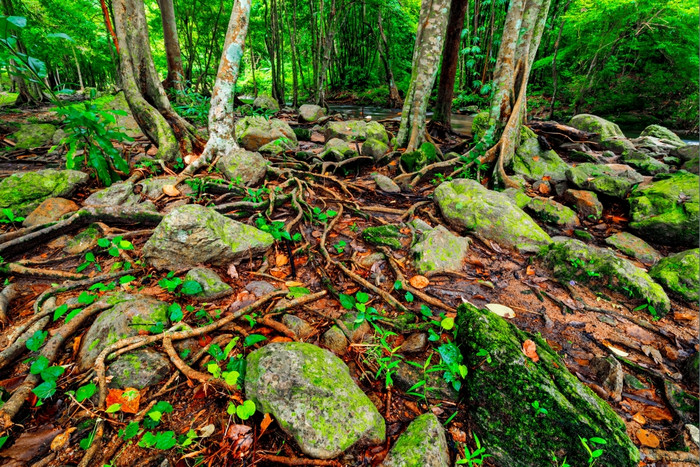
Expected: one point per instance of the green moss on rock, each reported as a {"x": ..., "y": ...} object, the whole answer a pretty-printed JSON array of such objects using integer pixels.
[
  {"x": 33, "y": 135},
  {"x": 551, "y": 212},
  {"x": 610, "y": 179},
  {"x": 384, "y": 235},
  {"x": 422, "y": 444},
  {"x": 23, "y": 192},
  {"x": 680, "y": 273},
  {"x": 534, "y": 163}
]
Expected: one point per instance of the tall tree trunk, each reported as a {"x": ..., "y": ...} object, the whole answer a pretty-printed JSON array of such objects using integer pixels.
[
  {"x": 293, "y": 47},
  {"x": 325, "y": 61},
  {"x": 19, "y": 85},
  {"x": 394, "y": 97},
  {"x": 426, "y": 56},
  {"x": 172, "y": 46},
  {"x": 77, "y": 66},
  {"x": 222, "y": 138},
  {"x": 555, "y": 74},
  {"x": 450, "y": 55},
  {"x": 142, "y": 88}
]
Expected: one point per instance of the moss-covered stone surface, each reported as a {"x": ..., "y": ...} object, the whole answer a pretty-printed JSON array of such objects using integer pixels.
[
  {"x": 310, "y": 393},
  {"x": 356, "y": 130},
  {"x": 440, "y": 250},
  {"x": 551, "y": 212},
  {"x": 610, "y": 179},
  {"x": 634, "y": 247},
  {"x": 338, "y": 150},
  {"x": 609, "y": 134},
  {"x": 384, "y": 235},
  {"x": 644, "y": 163},
  {"x": 422, "y": 444},
  {"x": 140, "y": 369},
  {"x": 680, "y": 273},
  {"x": 499, "y": 397},
  {"x": 662, "y": 133},
  {"x": 666, "y": 211},
  {"x": 33, "y": 135},
  {"x": 212, "y": 285},
  {"x": 241, "y": 166},
  {"x": 23, "y": 192},
  {"x": 480, "y": 124},
  {"x": 254, "y": 132},
  {"x": 266, "y": 102},
  {"x": 535, "y": 163}
]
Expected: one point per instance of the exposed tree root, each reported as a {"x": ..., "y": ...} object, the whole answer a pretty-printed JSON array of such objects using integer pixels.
[
  {"x": 21, "y": 270},
  {"x": 8, "y": 294},
  {"x": 296, "y": 460}
]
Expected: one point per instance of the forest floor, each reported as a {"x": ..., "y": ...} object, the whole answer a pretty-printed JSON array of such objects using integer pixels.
[{"x": 577, "y": 322}]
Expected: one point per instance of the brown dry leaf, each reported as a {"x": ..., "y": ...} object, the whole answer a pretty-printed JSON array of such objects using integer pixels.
[
  {"x": 170, "y": 190},
  {"x": 530, "y": 271},
  {"x": 419, "y": 282},
  {"x": 60, "y": 441},
  {"x": 530, "y": 349},
  {"x": 639, "y": 418},
  {"x": 278, "y": 273},
  {"x": 129, "y": 399},
  {"x": 657, "y": 413},
  {"x": 242, "y": 440},
  {"x": 264, "y": 424},
  {"x": 679, "y": 315},
  {"x": 647, "y": 438},
  {"x": 294, "y": 284},
  {"x": 281, "y": 260},
  {"x": 281, "y": 339}
]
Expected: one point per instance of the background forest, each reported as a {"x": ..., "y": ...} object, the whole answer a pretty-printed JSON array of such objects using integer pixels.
[{"x": 635, "y": 62}]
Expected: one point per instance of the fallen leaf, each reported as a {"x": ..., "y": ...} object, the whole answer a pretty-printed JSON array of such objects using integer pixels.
[
  {"x": 278, "y": 273},
  {"x": 232, "y": 271},
  {"x": 615, "y": 350},
  {"x": 530, "y": 349},
  {"x": 647, "y": 438},
  {"x": 679, "y": 315},
  {"x": 170, "y": 190},
  {"x": 265, "y": 423},
  {"x": 535, "y": 158},
  {"x": 281, "y": 339},
  {"x": 530, "y": 271},
  {"x": 657, "y": 413},
  {"x": 501, "y": 310},
  {"x": 652, "y": 352},
  {"x": 419, "y": 282},
  {"x": 31, "y": 444},
  {"x": 207, "y": 431},
  {"x": 242, "y": 440},
  {"x": 281, "y": 260},
  {"x": 294, "y": 284},
  {"x": 129, "y": 399},
  {"x": 639, "y": 418},
  {"x": 61, "y": 440},
  {"x": 190, "y": 158}
]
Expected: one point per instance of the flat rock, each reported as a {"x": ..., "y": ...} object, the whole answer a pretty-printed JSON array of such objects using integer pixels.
[
  {"x": 213, "y": 287},
  {"x": 193, "y": 234},
  {"x": 260, "y": 288},
  {"x": 23, "y": 192},
  {"x": 244, "y": 167},
  {"x": 266, "y": 102},
  {"x": 440, "y": 250},
  {"x": 680, "y": 274},
  {"x": 552, "y": 212},
  {"x": 33, "y": 135},
  {"x": 490, "y": 215},
  {"x": 139, "y": 369},
  {"x": 644, "y": 163},
  {"x": 422, "y": 444},
  {"x": 84, "y": 240},
  {"x": 356, "y": 130},
  {"x": 50, "y": 210},
  {"x": 634, "y": 247},
  {"x": 254, "y": 132},
  {"x": 310, "y": 392},
  {"x": 608, "y": 179},
  {"x": 338, "y": 150},
  {"x": 585, "y": 202},
  {"x": 385, "y": 184}
]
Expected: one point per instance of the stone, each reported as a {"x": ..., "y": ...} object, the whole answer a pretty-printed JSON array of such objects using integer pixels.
[
  {"x": 383, "y": 235},
  {"x": 535, "y": 163},
  {"x": 83, "y": 241},
  {"x": 644, "y": 163},
  {"x": 692, "y": 166},
  {"x": 310, "y": 393},
  {"x": 139, "y": 369},
  {"x": 260, "y": 288},
  {"x": 193, "y": 234},
  {"x": 609, "y": 179},
  {"x": 25, "y": 191},
  {"x": 355, "y": 330},
  {"x": 127, "y": 122},
  {"x": 266, "y": 102},
  {"x": 338, "y": 150},
  {"x": 467, "y": 205},
  {"x": 551, "y": 212},
  {"x": 213, "y": 288},
  {"x": 246, "y": 167},
  {"x": 254, "y": 132},
  {"x": 303, "y": 134},
  {"x": 369, "y": 260},
  {"x": 608, "y": 371},
  {"x": 571, "y": 259},
  {"x": 385, "y": 184},
  {"x": 666, "y": 211},
  {"x": 374, "y": 148},
  {"x": 680, "y": 274},
  {"x": 422, "y": 444},
  {"x": 633, "y": 382},
  {"x": 634, "y": 247},
  {"x": 608, "y": 134},
  {"x": 50, "y": 210},
  {"x": 439, "y": 250},
  {"x": 585, "y": 203},
  {"x": 334, "y": 339},
  {"x": 520, "y": 199},
  {"x": 278, "y": 146},
  {"x": 117, "y": 194},
  {"x": 662, "y": 133},
  {"x": 33, "y": 135},
  {"x": 655, "y": 147},
  {"x": 408, "y": 375},
  {"x": 129, "y": 315},
  {"x": 687, "y": 152},
  {"x": 414, "y": 343},
  {"x": 356, "y": 130},
  {"x": 298, "y": 326},
  {"x": 309, "y": 113},
  {"x": 500, "y": 397}
]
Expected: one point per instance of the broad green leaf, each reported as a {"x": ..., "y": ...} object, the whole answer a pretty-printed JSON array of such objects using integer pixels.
[
  {"x": 252, "y": 339},
  {"x": 190, "y": 287},
  {"x": 39, "y": 365},
  {"x": 45, "y": 389},
  {"x": 113, "y": 408},
  {"x": 245, "y": 410},
  {"x": 36, "y": 340},
  {"x": 85, "y": 392}
]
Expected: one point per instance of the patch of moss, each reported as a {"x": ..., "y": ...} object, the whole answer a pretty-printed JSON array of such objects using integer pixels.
[{"x": 384, "y": 235}]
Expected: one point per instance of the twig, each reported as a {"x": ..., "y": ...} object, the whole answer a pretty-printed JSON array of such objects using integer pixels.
[{"x": 296, "y": 460}]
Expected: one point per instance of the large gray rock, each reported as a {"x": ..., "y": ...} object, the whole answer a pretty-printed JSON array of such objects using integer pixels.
[
  {"x": 634, "y": 247},
  {"x": 662, "y": 133},
  {"x": 310, "y": 113},
  {"x": 535, "y": 163},
  {"x": 687, "y": 153},
  {"x": 608, "y": 134},
  {"x": 680, "y": 273},
  {"x": 127, "y": 193},
  {"x": 139, "y": 369},
  {"x": 33, "y": 135},
  {"x": 644, "y": 163},
  {"x": 609, "y": 179},
  {"x": 266, "y": 102},
  {"x": 310, "y": 393},
  {"x": 356, "y": 130},
  {"x": 385, "y": 184},
  {"x": 244, "y": 166},
  {"x": 440, "y": 250},
  {"x": 193, "y": 234},
  {"x": 422, "y": 444},
  {"x": 374, "y": 148},
  {"x": 338, "y": 150},
  {"x": 489, "y": 214},
  {"x": 24, "y": 192},
  {"x": 129, "y": 315},
  {"x": 252, "y": 133}
]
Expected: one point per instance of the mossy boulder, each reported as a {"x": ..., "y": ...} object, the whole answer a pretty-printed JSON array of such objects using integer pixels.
[
  {"x": 520, "y": 199},
  {"x": 502, "y": 398},
  {"x": 687, "y": 152},
  {"x": 608, "y": 179},
  {"x": 634, "y": 247},
  {"x": 266, "y": 103},
  {"x": 551, "y": 212},
  {"x": 84, "y": 240},
  {"x": 278, "y": 146},
  {"x": 310, "y": 113},
  {"x": 608, "y": 134},
  {"x": 571, "y": 259},
  {"x": 310, "y": 392},
  {"x": 193, "y": 234},
  {"x": 692, "y": 166},
  {"x": 644, "y": 163},
  {"x": 680, "y": 273},
  {"x": 130, "y": 315},
  {"x": 585, "y": 202},
  {"x": 246, "y": 167},
  {"x": 213, "y": 287},
  {"x": 33, "y": 135},
  {"x": 139, "y": 369},
  {"x": 467, "y": 205},
  {"x": 666, "y": 211},
  {"x": 383, "y": 235},
  {"x": 422, "y": 444},
  {"x": 374, "y": 148},
  {"x": 439, "y": 250},
  {"x": 662, "y": 133},
  {"x": 416, "y": 160},
  {"x": 338, "y": 150},
  {"x": 24, "y": 192},
  {"x": 480, "y": 124},
  {"x": 535, "y": 163},
  {"x": 252, "y": 133},
  {"x": 385, "y": 184},
  {"x": 356, "y": 130},
  {"x": 50, "y": 210}
]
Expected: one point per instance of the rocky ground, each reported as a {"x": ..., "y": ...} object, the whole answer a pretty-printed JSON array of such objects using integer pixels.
[{"x": 320, "y": 299}]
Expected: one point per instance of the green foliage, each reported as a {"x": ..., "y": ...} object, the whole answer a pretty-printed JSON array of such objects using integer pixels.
[
  {"x": 9, "y": 217},
  {"x": 476, "y": 457}
]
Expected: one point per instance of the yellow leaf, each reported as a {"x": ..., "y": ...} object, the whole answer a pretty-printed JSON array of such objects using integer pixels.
[
  {"x": 639, "y": 418},
  {"x": 61, "y": 440},
  {"x": 419, "y": 282},
  {"x": 281, "y": 260},
  {"x": 647, "y": 438},
  {"x": 501, "y": 310}
]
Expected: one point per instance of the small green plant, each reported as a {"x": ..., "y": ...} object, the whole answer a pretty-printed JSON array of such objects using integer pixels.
[
  {"x": 256, "y": 195},
  {"x": 321, "y": 216},
  {"x": 89, "y": 259},
  {"x": 359, "y": 303},
  {"x": 538, "y": 409},
  {"x": 276, "y": 229},
  {"x": 388, "y": 364},
  {"x": 340, "y": 246},
  {"x": 9, "y": 217},
  {"x": 556, "y": 461},
  {"x": 593, "y": 455},
  {"x": 476, "y": 457},
  {"x": 172, "y": 283},
  {"x": 243, "y": 411}
]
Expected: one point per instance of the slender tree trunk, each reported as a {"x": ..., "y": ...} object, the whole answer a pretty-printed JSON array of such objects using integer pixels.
[
  {"x": 394, "y": 97},
  {"x": 293, "y": 47},
  {"x": 555, "y": 74},
  {"x": 77, "y": 66},
  {"x": 426, "y": 56},
  {"x": 142, "y": 88},
  {"x": 172, "y": 46},
  {"x": 326, "y": 60},
  {"x": 450, "y": 55},
  {"x": 222, "y": 138},
  {"x": 252, "y": 68}
]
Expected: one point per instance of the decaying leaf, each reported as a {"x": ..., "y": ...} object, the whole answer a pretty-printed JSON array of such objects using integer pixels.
[
  {"x": 281, "y": 260},
  {"x": 170, "y": 190},
  {"x": 265, "y": 423},
  {"x": 419, "y": 282},
  {"x": 207, "y": 430},
  {"x": 501, "y": 310},
  {"x": 647, "y": 438},
  {"x": 639, "y": 418},
  {"x": 293, "y": 284},
  {"x": 615, "y": 350},
  {"x": 530, "y": 349},
  {"x": 60, "y": 441},
  {"x": 657, "y": 413},
  {"x": 190, "y": 158},
  {"x": 128, "y": 398},
  {"x": 241, "y": 437}
]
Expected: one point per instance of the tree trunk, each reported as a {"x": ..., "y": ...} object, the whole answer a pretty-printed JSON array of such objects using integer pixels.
[
  {"x": 394, "y": 97},
  {"x": 222, "y": 138},
  {"x": 143, "y": 89},
  {"x": 450, "y": 56},
  {"x": 555, "y": 74},
  {"x": 172, "y": 46},
  {"x": 77, "y": 66},
  {"x": 426, "y": 56},
  {"x": 325, "y": 61}
]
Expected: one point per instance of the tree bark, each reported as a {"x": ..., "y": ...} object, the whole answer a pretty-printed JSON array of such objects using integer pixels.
[
  {"x": 426, "y": 56},
  {"x": 394, "y": 97},
  {"x": 555, "y": 74},
  {"x": 143, "y": 89},
  {"x": 172, "y": 46},
  {"x": 450, "y": 55},
  {"x": 77, "y": 66}
]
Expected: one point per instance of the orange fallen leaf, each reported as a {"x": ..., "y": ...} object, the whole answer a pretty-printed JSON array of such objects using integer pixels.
[
  {"x": 647, "y": 438},
  {"x": 530, "y": 349},
  {"x": 535, "y": 158},
  {"x": 639, "y": 418},
  {"x": 294, "y": 284},
  {"x": 546, "y": 178},
  {"x": 657, "y": 413},
  {"x": 278, "y": 273},
  {"x": 419, "y": 282},
  {"x": 678, "y": 315},
  {"x": 281, "y": 260},
  {"x": 60, "y": 441},
  {"x": 128, "y": 398},
  {"x": 281, "y": 339},
  {"x": 530, "y": 271},
  {"x": 170, "y": 190},
  {"x": 264, "y": 424}
]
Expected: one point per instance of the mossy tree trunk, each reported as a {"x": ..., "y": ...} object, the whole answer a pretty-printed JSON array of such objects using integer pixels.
[
  {"x": 143, "y": 90},
  {"x": 426, "y": 56},
  {"x": 172, "y": 46},
  {"x": 522, "y": 32},
  {"x": 222, "y": 138}
]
